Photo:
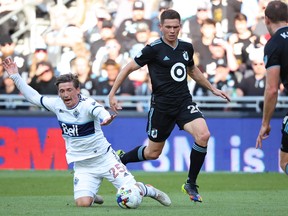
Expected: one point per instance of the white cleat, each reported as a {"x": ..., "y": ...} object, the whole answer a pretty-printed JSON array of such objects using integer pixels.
[
  {"x": 98, "y": 199},
  {"x": 161, "y": 197}
]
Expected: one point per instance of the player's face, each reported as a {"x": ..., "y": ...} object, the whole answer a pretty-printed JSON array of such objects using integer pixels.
[
  {"x": 69, "y": 94},
  {"x": 170, "y": 29}
]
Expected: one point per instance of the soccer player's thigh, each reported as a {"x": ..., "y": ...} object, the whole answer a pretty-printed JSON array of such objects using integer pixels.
[
  {"x": 284, "y": 141},
  {"x": 159, "y": 125},
  {"x": 192, "y": 120},
  {"x": 116, "y": 172},
  {"x": 85, "y": 182}
]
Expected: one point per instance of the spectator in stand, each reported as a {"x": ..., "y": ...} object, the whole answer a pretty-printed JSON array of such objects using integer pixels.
[
  {"x": 259, "y": 28},
  {"x": 9, "y": 86},
  {"x": 142, "y": 36},
  {"x": 40, "y": 54},
  {"x": 93, "y": 33},
  {"x": 44, "y": 79},
  {"x": 219, "y": 15},
  {"x": 106, "y": 32},
  {"x": 221, "y": 54},
  {"x": 111, "y": 50},
  {"x": 201, "y": 47},
  {"x": 191, "y": 26},
  {"x": 104, "y": 84},
  {"x": 242, "y": 41},
  {"x": 225, "y": 80},
  {"x": 233, "y": 8},
  {"x": 7, "y": 48},
  {"x": 163, "y": 5},
  {"x": 81, "y": 66},
  {"x": 253, "y": 82},
  {"x": 128, "y": 27},
  {"x": 61, "y": 35},
  {"x": 12, "y": 24}
]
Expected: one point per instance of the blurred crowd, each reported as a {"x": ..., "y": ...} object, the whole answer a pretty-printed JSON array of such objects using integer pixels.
[{"x": 96, "y": 38}]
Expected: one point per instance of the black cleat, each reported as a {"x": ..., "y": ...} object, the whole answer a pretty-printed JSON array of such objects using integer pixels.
[{"x": 192, "y": 191}]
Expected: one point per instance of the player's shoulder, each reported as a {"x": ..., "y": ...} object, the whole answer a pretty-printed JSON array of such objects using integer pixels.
[
  {"x": 86, "y": 99},
  {"x": 156, "y": 43}
]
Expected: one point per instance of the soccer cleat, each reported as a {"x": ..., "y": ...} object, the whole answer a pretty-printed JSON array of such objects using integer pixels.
[
  {"x": 98, "y": 199},
  {"x": 120, "y": 153},
  {"x": 192, "y": 191},
  {"x": 160, "y": 196}
]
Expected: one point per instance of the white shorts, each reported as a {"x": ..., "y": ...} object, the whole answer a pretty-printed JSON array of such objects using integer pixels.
[{"x": 89, "y": 173}]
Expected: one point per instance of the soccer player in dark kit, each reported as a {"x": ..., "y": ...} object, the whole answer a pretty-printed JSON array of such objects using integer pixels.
[
  {"x": 275, "y": 58},
  {"x": 169, "y": 60}
]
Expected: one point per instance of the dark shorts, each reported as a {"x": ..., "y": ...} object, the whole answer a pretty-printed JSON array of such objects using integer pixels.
[
  {"x": 284, "y": 142},
  {"x": 160, "y": 123}
]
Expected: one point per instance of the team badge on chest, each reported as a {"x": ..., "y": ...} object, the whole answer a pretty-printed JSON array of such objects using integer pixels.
[
  {"x": 185, "y": 55},
  {"x": 76, "y": 113}
]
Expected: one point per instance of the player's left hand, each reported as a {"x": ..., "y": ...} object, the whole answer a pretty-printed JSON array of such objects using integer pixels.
[
  {"x": 222, "y": 94},
  {"x": 108, "y": 120},
  {"x": 263, "y": 134}
]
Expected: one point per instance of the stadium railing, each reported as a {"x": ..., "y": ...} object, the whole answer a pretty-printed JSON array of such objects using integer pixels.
[{"x": 251, "y": 103}]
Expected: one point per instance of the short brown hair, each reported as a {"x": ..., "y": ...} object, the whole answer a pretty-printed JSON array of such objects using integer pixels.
[
  {"x": 277, "y": 11},
  {"x": 68, "y": 78},
  {"x": 169, "y": 14},
  {"x": 110, "y": 62}
]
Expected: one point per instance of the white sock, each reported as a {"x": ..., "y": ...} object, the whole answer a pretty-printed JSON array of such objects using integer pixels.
[{"x": 146, "y": 189}]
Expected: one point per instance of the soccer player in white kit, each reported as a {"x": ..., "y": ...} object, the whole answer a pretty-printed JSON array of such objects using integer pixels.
[{"x": 80, "y": 119}]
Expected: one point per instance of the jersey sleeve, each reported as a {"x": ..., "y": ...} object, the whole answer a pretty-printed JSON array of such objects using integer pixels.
[
  {"x": 145, "y": 56},
  {"x": 97, "y": 110},
  {"x": 29, "y": 93},
  {"x": 272, "y": 54}
]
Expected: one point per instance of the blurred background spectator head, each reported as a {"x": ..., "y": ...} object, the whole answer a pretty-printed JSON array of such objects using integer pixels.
[
  {"x": 142, "y": 32},
  {"x": 217, "y": 49},
  {"x": 112, "y": 68},
  {"x": 138, "y": 11},
  {"x": 41, "y": 53},
  {"x": 208, "y": 28},
  {"x": 58, "y": 16},
  {"x": 7, "y": 45},
  {"x": 240, "y": 22},
  {"x": 81, "y": 66},
  {"x": 107, "y": 30},
  {"x": 102, "y": 15},
  {"x": 164, "y": 5},
  {"x": 256, "y": 56},
  {"x": 203, "y": 9},
  {"x": 44, "y": 71},
  {"x": 138, "y": 5}
]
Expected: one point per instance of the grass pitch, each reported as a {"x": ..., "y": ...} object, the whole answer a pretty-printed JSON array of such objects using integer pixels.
[{"x": 225, "y": 194}]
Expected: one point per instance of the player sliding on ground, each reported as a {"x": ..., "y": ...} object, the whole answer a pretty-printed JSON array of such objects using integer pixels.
[{"x": 80, "y": 119}]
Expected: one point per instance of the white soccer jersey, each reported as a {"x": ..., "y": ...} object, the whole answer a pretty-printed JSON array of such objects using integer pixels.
[{"x": 80, "y": 125}]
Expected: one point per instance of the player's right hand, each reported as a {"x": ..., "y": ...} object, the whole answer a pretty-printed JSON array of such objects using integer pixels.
[{"x": 10, "y": 66}]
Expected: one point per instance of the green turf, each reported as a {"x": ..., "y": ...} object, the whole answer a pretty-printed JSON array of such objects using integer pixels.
[{"x": 224, "y": 194}]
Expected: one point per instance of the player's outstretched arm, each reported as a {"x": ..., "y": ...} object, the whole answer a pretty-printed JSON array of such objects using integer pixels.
[
  {"x": 29, "y": 93},
  {"x": 107, "y": 121},
  {"x": 123, "y": 74},
  {"x": 199, "y": 78}
]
